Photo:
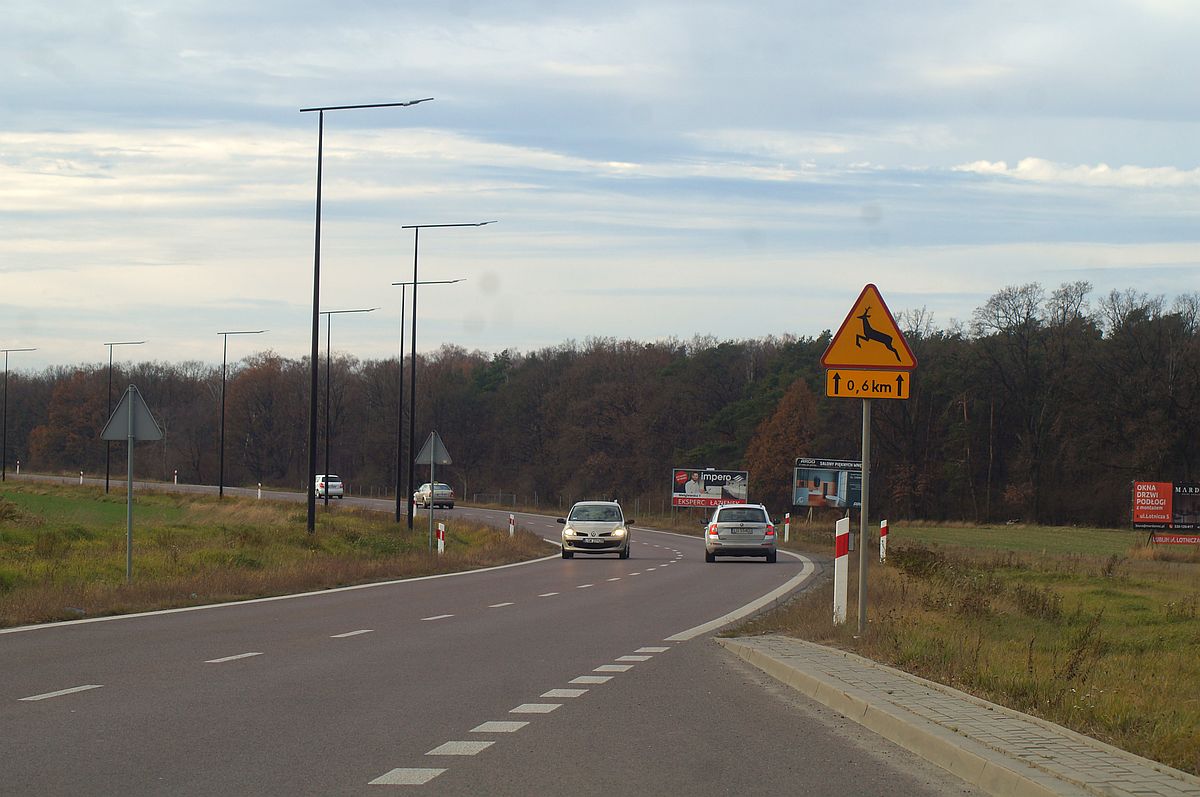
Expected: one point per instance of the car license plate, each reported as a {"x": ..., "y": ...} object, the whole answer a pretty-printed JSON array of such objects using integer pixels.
[{"x": 742, "y": 530}]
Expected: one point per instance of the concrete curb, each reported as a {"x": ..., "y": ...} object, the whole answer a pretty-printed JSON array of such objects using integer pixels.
[{"x": 972, "y": 762}]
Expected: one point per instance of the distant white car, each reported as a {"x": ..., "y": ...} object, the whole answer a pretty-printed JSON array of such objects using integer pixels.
[
  {"x": 438, "y": 494},
  {"x": 330, "y": 484}
]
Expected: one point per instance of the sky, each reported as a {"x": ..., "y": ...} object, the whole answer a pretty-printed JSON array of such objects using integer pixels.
[{"x": 656, "y": 169}]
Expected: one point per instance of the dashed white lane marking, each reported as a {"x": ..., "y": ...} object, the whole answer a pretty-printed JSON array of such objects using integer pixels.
[
  {"x": 500, "y": 605},
  {"x": 654, "y": 649},
  {"x": 407, "y": 776},
  {"x": 535, "y": 708},
  {"x": 231, "y": 658},
  {"x": 634, "y": 658},
  {"x": 648, "y": 569},
  {"x": 62, "y": 692},
  {"x": 547, "y": 595},
  {"x": 460, "y": 748},
  {"x": 614, "y": 668},
  {"x": 591, "y": 679},
  {"x": 615, "y": 578},
  {"x": 437, "y": 617},
  {"x": 583, "y": 586},
  {"x": 352, "y": 633},
  {"x": 635, "y": 574},
  {"x": 564, "y": 693},
  {"x": 499, "y": 727}
]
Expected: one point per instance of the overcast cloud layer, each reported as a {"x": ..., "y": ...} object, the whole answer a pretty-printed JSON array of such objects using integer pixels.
[{"x": 657, "y": 169}]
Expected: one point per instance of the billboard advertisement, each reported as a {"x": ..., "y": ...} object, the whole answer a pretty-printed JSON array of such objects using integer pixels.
[
  {"x": 833, "y": 483},
  {"x": 1168, "y": 507},
  {"x": 708, "y": 487}
]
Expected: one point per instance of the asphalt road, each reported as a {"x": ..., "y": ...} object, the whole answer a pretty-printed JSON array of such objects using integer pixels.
[{"x": 586, "y": 676}]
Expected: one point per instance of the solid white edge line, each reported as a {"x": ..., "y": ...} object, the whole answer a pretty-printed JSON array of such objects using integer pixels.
[
  {"x": 311, "y": 594},
  {"x": 231, "y": 658},
  {"x": 806, "y": 572},
  {"x": 62, "y": 692},
  {"x": 351, "y": 633}
]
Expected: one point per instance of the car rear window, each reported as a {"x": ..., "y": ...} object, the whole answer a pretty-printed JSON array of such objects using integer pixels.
[{"x": 741, "y": 514}]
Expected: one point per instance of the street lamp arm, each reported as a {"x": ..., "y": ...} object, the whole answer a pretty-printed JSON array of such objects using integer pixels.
[{"x": 368, "y": 105}]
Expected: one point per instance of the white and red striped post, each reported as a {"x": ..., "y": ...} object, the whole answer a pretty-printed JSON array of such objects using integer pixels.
[
  {"x": 883, "y": 529},
  {"x": 512, "y": 524},
  {"x": 787, "y": 526},
  {"x": 841, "y": 570},
  {"x": 441, "y": 538}
]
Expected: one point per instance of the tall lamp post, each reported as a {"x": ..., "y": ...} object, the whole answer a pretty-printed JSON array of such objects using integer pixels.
[
  {"x": 400, "y": 408},
  {"x": 316, "y": 316},
  {"x": 107, "y": 449},
  {"x": 328, "y": 335},
  {"x": 4, "y": 435},
  {"x": 224, "y": 354},
  {"x": 412, "y": 386}
]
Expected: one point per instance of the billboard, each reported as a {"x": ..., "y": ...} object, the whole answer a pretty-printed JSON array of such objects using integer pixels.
[
  {"x": 1168, "y": 507},
  {"x": 827, "y": 483},
  {"x": 708, "y": 487}
]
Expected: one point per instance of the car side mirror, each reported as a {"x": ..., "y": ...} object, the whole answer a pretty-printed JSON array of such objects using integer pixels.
[
  {"x": 629, "y": 521},
  {"x": 562, "y": 520}
]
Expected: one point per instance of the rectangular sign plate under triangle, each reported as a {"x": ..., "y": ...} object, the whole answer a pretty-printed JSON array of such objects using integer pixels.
[
  {"x": 849, "y": 383},
  {"x": 433, "y": 452},
  {"x": 144, "y": 427},
  {"x": 869, "y": 338}
]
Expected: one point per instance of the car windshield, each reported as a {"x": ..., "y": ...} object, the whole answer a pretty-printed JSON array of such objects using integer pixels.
[
  {"x": 441, "y": 486},
  {"x": 333, "y": 477},
  {"x": 742, "y": 514},
  {"x": 596, "y": 513}
]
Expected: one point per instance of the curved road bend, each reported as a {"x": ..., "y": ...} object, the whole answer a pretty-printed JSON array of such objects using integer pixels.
[{"x": 586, "y": 676}]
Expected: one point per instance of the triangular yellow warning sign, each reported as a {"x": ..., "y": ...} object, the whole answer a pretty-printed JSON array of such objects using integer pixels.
[{"x": 869, "y": 338}]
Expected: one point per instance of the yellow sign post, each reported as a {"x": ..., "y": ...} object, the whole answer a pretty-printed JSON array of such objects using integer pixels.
[{"x": 867, "y": 358}]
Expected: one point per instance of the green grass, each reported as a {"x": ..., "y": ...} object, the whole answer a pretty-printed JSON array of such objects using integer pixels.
[{"x": 63, "y": 549}]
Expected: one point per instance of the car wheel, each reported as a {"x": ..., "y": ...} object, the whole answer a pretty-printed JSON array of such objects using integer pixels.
[
  {"x": 710, "y": 557},
  {"x": 568, "y": 554},
  {"x": 771, "y": 555},
  {"x": 625, "y": 553}
]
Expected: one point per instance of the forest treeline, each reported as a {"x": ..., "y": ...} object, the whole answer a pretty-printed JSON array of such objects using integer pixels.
[{"x": 1042, "y": 408}]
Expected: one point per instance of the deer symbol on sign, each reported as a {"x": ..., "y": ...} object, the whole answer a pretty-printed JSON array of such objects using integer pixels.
[{"x": 873, "y": 334}]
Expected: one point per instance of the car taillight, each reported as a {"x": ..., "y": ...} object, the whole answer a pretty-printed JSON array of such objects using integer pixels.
[
  {"x": 712, "y": 530},
  {"x": 770, "y": 530}
]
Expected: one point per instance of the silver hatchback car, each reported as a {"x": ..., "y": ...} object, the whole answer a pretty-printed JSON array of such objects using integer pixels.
[
  {"x": 739, "y": 530},
  {"x": 595, "y": 527}
]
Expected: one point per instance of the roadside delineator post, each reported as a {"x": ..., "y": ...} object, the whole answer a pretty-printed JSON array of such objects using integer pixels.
[
  {"x": 787, "y": 526},
  {"x": 883, "y": 530},
  {"x": 441, "y": 538},
  {"x": 260, "y": 491},
  {"x": 81, "y": 478},
  {"x": 176, "y": 478},
  {"x": 512, "y": 524},
  {"x": 841, "y": 570}
]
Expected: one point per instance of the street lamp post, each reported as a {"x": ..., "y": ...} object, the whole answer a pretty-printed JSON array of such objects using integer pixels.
[
  {"x": 4, "y": 434},
  {"x": 328, "y": 335},
  {"x": 412, "y": 386},
  {"x": 224, "y": 354},
  {"x": 400, "y": 407},
  {"x": 107, "y": 449},
  {"x": 316, "y": 316}
]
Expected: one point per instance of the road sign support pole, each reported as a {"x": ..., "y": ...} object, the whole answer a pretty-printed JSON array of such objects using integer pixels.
[
  {"x": 862, "y": 518},
  {"x": 129, "y": 492}
]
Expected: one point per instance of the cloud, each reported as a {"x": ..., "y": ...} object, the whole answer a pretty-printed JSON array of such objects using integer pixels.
[{"x": 1037, "y": 170}]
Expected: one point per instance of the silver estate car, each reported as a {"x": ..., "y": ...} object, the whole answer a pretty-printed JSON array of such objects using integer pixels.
[
  {"x": 595, "y": 527},
  {"x": 739, "y": 530}
]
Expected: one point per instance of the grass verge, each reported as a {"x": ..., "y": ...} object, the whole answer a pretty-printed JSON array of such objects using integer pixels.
[
  {"x": 62, "y": 551},
  {"x": 1086, "y": 628}
]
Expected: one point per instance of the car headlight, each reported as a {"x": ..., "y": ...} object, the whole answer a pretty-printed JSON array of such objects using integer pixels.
[
  {"x": 618, "y": 532},
  {"x": 568, "y": 532}
]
